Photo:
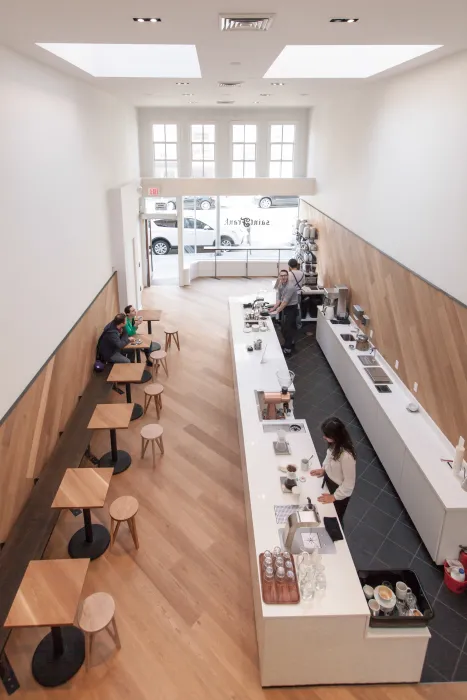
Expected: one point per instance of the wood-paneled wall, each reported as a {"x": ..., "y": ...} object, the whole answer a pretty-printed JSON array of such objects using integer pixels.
[
  {"x": 413, "y": 322},
  {"x": 31, "y": 430}
]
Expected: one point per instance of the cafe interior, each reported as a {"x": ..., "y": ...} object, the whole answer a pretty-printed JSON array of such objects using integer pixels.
[{"x": 260, "y": 491}]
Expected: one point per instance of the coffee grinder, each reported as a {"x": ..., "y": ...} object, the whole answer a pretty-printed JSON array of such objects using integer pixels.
[{"x": 277, "y": 402}]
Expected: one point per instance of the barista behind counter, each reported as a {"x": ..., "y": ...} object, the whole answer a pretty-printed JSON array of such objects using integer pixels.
[
  {"x": 287, "y": 304},
  {"x": 339, "y": 466}
]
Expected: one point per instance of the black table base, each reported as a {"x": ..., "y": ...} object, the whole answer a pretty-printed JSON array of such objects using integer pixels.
[
  {"x": 137, "y": 408},
  {"x": 80, "y": 548},
  {"x": 58, "y": 656},
  {"x": 137, "y": 411},
  {"x": 120, "y": 463},
  {"x": 147, "y": 376},
  {"x": 118, "y": 459},
  {"x": 91, "y": 541}
]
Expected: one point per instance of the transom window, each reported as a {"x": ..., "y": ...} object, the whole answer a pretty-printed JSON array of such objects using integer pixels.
[
  {"x": 244, "y": 150},
  {"x": 281, "y": 150},
  {"x": 164, "y": 138},
  {"x": 203, "y": 140}
]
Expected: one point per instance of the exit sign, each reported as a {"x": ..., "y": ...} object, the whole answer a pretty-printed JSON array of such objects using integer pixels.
[{"x": 153, "y": 191}]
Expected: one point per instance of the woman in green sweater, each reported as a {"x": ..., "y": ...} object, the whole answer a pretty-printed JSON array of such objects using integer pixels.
[{"x": 131, "y": 326}]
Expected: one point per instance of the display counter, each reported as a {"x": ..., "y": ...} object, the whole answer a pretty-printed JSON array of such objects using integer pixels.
[
  {"x": 410, "y": 445},
  {"x": 327, "y": 640}
]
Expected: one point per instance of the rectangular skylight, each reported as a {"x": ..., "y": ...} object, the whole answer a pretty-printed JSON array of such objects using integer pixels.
[
  {"x": 131, "y": 60},
  {"x": 341, "y": 61}
]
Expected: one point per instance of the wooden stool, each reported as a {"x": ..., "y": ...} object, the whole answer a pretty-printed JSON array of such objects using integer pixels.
[
  {"x": 96, "y": 614},
  {"x": 121, "y": 510},
  {"x": 159, "y": 357},
  {"x": 153, "y": 391},
  {"x": 169, "y": 334},
  {"x": 152, "y": 433}
]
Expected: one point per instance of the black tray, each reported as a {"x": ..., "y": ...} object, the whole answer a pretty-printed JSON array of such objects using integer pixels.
[{"x": 375, "y": 577}]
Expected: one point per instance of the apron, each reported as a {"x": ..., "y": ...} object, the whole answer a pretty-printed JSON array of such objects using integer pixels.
[{"x": 340, "y": 506}]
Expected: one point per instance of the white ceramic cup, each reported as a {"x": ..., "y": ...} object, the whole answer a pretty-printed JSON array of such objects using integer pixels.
[
  {"x": 401, "y": 590},
  {"x": 368, "y": 591},
  {"x": 305, "y": 464},
  {"x": 374, "y": 607}
]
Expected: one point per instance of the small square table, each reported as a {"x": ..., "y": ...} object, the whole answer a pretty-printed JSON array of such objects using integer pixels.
[
  {"x": 112, "y": 416},
  {"x": 144, "y": 343},
  {"x": 125, "y": 374},
  {"x": 85, "y": 488},
  {"x": 149, "y": 315},
  {"x": 48, "y": 596}
]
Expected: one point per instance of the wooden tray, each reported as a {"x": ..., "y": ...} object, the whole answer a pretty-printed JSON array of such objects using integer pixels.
[{"x": 279, "y": 593}]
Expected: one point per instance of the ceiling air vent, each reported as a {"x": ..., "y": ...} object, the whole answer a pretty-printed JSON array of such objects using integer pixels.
[
  {"x": 225, "y": 102},
  {"x": 229, "y": 85},
  {"x": 245, "y": 22}
]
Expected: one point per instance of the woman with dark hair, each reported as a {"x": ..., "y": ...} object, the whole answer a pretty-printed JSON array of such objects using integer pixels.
[{"x": 339, "y": 466}]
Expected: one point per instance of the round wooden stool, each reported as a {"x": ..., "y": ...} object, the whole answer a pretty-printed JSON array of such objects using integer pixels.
[
  {"x": 152, "y": 433},
  {"x": 122, "y": 510},
  {"x": 171, "y": 332},
  {"x": 96, "y": 614},
  {"x": 153, "y": 391},
  {"x": 159, "y": 358}
]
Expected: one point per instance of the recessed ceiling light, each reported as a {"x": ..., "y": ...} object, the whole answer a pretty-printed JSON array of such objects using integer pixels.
[
  {"x": 187, "y": 94},
  {"x": 265, "y": 94},
  {"x": 181, "y": 83},
  {"x": 304, "y": 94},
  {"x": 344, "y": 19},
  {"x": 131, "y": 60},
  {"x": 192, "y": 103},
  {"x": 278, "y": 84},
  {"x": 256, "y": 103},
  {"x": 147, "y": 19},
  {"x": 342, "y": 61}
]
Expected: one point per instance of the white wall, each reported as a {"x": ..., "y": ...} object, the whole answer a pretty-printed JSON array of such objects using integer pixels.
[
  {"x": 391, "y": 164},
  {"x": 63, "y": 145},
  {"x": 223, "y": 118}
]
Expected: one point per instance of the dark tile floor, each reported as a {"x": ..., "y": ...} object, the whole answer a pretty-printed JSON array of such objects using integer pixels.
[{"x": 379, "y": 531}]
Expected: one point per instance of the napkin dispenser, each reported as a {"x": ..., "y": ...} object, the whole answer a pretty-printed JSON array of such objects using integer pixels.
[{"x": 300, "y": 519}]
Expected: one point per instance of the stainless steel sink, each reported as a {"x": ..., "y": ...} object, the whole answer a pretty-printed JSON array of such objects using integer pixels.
[{"x": 295, "y": 426}]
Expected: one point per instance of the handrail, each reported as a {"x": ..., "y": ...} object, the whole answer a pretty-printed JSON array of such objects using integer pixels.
[{"x": 248, "y": 249}]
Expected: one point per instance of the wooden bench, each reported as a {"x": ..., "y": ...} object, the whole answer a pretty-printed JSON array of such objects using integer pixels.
[{"x": 31, "y": 532}]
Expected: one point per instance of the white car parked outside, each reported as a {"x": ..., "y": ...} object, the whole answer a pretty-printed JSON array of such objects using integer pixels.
[{"x": 164, "y": 235}]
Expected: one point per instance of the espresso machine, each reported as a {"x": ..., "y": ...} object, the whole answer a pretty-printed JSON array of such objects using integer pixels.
[{"x": 336, "y": 301}]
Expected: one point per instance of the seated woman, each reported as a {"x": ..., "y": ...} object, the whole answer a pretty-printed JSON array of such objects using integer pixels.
[{"x": 131, "y": 326}]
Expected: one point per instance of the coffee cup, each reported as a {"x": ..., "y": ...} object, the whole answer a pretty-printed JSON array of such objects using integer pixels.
[
  {"x": 401, "y": 590},
  {"x": 374, "y": 607},
  {"x": 368, "y": 591},
  {"x": 305, "y": 464}
]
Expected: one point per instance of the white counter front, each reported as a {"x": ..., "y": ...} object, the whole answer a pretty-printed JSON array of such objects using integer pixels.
[
  {"x": 327, "y": 640},
  {"x": 409, "y": 445}
]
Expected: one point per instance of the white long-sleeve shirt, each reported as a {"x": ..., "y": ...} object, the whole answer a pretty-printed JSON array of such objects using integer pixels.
[{"x": 342, "y": 471}]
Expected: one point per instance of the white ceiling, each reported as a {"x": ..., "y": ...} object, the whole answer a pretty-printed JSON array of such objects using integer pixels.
[{"x": 25, "y": 22}]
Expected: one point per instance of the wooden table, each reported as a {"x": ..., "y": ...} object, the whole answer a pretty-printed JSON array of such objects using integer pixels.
[
  {"x": 145, "y": 344},
  {"x": 48, "y": 596},
  {"x": 85, "y": 488},
  {"x": 112, "y": 416},
  {"x": 125, "y": 374},
  {"x": 149, "y": 315}
]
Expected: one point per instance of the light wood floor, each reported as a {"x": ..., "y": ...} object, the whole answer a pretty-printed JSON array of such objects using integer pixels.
[{"x": 184, "y": 603}]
